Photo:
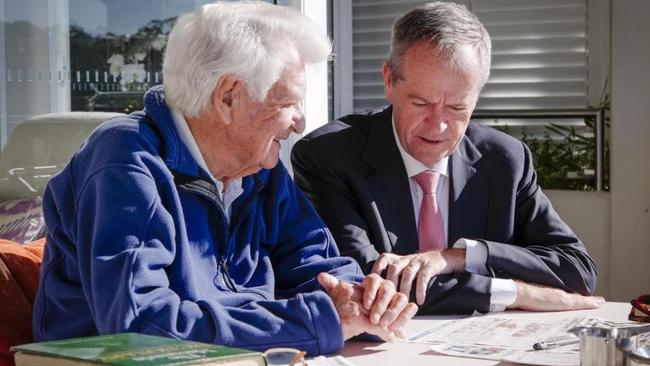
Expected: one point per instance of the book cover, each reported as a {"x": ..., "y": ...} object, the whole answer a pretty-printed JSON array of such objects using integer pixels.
[{"x": 132, "y": 349}]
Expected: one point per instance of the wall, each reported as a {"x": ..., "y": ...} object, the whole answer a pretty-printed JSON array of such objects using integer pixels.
[
  {"x": 615, "y": 226},
  {"x": 588, "y": 215},
  {"x": 630, "y": 146}
]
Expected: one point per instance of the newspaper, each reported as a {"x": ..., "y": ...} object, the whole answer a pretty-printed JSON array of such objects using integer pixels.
[
  {"x": 329, "y": 361},
  {"x": 508, "y": 339}
]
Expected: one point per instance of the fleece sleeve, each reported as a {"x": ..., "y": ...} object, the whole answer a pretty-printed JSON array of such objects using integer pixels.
[
  {"x": 304, "y": 247},
  {"x": 128, "y": 238}
]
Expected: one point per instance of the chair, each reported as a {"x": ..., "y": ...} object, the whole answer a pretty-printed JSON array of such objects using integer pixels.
[
  {"x": 37, "y": 149},
  {"x": 19, "y": 270}
]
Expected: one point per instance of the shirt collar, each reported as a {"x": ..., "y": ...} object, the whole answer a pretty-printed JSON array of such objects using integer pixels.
[{"x": 414, "y": 166}]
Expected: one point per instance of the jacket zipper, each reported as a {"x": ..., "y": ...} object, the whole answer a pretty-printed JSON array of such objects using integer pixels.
[
  {"x": 226, "y": 275},
  {"x": 233, "y": 225},
  {"x": 223, "y": 259},
  {"x": 223, "y": 264}
]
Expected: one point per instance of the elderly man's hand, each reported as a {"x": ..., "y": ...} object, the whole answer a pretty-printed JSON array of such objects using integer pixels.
[
  {"x": 534, "y": 297},
  {"x": 402, "y": 270},
  {"x": 393, "y": 308}
]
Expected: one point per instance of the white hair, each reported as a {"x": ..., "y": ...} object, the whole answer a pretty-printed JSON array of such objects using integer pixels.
[{"x": 254, "y": 40}]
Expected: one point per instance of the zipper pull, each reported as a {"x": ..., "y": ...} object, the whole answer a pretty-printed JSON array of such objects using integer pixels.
[
  {"x": 226, "y": 274},
  {"x": 223, "y": 264}
]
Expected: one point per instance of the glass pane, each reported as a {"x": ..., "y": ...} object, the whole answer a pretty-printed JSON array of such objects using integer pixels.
[
  {"x": 563, "y": 149},
  {"x": 116, "y": 50},
  {"x": 68, "y": 57}
]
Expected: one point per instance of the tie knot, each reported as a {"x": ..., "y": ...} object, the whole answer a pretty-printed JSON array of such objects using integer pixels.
[{"x": 428, "y": 181}]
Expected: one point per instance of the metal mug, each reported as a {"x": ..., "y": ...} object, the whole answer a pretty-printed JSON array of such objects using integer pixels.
[
  {"x": 638, "y": 357},
  {"x": 611, "y": 346}
]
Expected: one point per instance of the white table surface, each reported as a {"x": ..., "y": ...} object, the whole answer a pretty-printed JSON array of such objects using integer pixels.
[{"x": 413, "y": 354}]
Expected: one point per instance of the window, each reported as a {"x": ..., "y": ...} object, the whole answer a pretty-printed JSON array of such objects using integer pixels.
[
  {"x": 547, "y": 61},
  {"x": 81, "y": 55},
  {"x": 73, "y": 55}
]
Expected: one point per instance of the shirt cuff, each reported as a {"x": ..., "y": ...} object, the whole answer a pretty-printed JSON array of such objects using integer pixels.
[
  {"x": 475, "y": 255},
  {"x": 503, "y": 293}
]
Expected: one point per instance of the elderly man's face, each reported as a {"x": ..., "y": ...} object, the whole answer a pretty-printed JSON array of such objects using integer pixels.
[
  {"x": 432, "y": 104},
  {"x": 260, "y": 126}
]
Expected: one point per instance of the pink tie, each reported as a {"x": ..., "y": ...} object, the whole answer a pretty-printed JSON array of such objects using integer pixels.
[{"x": 431, "y": 232}]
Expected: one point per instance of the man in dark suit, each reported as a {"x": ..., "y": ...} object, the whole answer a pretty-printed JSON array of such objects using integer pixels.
[{"x": 441, "y": 206}]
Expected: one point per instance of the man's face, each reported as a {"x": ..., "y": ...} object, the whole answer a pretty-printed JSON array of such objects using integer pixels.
[
  {"x": 259, "y": 127},
  {"x": 432, "y": 104}
]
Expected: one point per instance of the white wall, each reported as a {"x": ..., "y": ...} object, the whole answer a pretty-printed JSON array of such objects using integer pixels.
[
  {"x": 587, "y": 213},
  {"x": 615, "y": 226},
  {"x": 630, "y": 146}
]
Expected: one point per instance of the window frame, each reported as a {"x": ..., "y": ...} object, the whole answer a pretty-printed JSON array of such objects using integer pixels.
[{"x": 3, "y": 78}]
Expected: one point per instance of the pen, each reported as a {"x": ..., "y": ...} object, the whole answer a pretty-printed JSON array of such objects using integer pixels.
[{"x": 552, "y": 344}]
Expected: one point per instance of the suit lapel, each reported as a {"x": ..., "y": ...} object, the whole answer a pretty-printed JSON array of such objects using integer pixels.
[
  {"x": 389, "y": 186},
  {"x": 468, "y": 195}
]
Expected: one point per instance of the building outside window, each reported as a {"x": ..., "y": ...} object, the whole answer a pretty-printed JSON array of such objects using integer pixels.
[
  {"x": 60, "y": 56},
  {"x": 101, "y": 56},
  {"x": 81, "y": 55}
]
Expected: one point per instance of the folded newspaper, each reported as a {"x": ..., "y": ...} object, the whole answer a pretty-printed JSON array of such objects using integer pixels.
[{"x": 509, "y": 339}]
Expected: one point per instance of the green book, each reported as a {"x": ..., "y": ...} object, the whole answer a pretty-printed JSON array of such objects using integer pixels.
[{"x": 131, "y": 349}]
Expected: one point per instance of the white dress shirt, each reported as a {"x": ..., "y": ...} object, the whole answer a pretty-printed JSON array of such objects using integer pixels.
[
  {"x": 503, "y": 292},
  {"x": 234, "y": 189}
]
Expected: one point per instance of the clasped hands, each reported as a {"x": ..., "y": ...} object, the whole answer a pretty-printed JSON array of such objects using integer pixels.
[
  {"x": 373, "y": 306},
  {"x": 376, "y": 307}
]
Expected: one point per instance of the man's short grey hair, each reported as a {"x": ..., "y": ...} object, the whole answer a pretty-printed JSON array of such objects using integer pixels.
[
  {"x": 253, "y": 40},
  {"x": 447, "y": 27}
]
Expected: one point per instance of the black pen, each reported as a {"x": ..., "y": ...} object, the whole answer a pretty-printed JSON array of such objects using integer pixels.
[{"x": 553, "y": 344}]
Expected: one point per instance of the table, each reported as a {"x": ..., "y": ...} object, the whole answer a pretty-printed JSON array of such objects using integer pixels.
[{"x": 413, "y": 354}]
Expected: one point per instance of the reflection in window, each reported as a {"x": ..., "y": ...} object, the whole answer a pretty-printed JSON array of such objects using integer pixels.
[
  {"x": 113, "y": 70},
  {"x": 81, "y": 55},
  {"x": 72, "y": 55}
]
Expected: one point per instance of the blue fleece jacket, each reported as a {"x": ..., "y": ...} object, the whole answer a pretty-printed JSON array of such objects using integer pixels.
[{"x": 137, "y": 241}]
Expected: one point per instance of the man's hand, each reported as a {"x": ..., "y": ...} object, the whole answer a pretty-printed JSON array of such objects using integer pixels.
[
  {"x": 384, "y": 305},
  {"x": 393, "y": 308},
  {"x": 421, "y": 267},
  {"x": 534, "y": 297}
]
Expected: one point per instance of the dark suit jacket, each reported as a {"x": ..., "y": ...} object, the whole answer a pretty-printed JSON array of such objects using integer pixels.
[{"x": 353, "y": 172}]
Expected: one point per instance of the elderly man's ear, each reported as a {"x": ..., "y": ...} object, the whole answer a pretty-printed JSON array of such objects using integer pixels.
[{"x": 226, "y": 97}]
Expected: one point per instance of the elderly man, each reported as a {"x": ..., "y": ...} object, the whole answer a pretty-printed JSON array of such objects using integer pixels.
[
  {"x": 180, "y": 221},
  {"x": 442, "y": 206}
]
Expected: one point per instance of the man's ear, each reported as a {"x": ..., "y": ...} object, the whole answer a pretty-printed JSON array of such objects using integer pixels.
[
  {"x": 388, "y": 81},
  {"x": 225, "y": 96}
]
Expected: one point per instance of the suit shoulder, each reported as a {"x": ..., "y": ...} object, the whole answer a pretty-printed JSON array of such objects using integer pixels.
[
  {"x": 348, "y": 132},
  {"x": 491, "y": 141}
]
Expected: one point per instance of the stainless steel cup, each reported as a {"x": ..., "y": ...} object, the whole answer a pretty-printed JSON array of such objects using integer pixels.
[
  {"x": 638, "y": 357},
  {"x": 611, "y": 346}
]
